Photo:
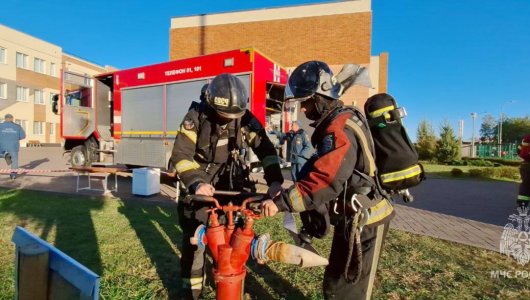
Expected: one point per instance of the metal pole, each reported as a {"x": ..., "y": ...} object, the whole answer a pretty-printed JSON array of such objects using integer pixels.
[
  {"x": 500, "y": 137},
  {"x": 473, "y": 116}
]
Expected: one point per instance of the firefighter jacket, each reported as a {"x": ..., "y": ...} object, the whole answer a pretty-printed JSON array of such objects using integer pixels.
[
  {"x": 524, "y": 149},
  {"x": 298, "y": 145},
  {"x": 331, "y": 172},
  {"x": 203, "y": 146}
]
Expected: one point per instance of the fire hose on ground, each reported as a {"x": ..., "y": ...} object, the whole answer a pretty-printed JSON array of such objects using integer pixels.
[{"x": 231, "y": 247}]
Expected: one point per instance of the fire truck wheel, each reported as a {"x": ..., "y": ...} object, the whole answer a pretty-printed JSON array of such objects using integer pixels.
[{"x": 78, "y": 157}]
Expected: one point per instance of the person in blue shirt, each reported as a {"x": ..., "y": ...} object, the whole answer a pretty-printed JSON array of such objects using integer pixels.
[
  {"x": 299, "y": 147},
  {"x": 10, "y": 135}
]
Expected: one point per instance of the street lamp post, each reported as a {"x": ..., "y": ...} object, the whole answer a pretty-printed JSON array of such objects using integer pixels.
[
  {"x": 500, "y": 126},
  {"x": 474, "y": 117}
]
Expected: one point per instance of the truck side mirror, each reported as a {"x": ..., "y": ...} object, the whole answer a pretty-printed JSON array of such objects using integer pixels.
[{"x": 55, "y": 108}]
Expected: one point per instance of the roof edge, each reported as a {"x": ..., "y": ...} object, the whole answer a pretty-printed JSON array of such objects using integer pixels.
[{"x": 271, "y": 14}]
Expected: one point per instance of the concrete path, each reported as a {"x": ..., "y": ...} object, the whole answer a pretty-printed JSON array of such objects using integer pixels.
[
  {"x": 446, "y": 209},
  {"x": 446, "y": 227}
]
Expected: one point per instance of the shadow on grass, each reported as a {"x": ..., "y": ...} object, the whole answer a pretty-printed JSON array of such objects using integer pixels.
[
  {"x": 276, "y": 282},
  {"x": 74, "y": 229},
  {"x": 156, "y": 228}
]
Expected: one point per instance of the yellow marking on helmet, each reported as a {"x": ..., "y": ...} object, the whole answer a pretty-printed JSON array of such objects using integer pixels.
[{"x": 221, "y": 101}]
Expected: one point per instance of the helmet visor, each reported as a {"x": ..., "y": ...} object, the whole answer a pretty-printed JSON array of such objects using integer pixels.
[
  {"x": 291, "y": 97},
  {"x": 303, "y": 83}
]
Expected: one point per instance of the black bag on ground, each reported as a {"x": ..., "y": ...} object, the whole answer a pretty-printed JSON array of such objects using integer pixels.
[{"x": 396, "y": 157}]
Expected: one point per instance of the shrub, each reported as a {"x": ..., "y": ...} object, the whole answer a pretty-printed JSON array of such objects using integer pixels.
[
  {"x": 509, "y": 172},
  {"x": 512, "y": 163},
  {"x": 458, "y": 163},
  {"x": 456, "y": 172},
  {"x": 498, "y": 172},
  {"x": 475, "y": 172},
  {"x": 480, "y": 163}
]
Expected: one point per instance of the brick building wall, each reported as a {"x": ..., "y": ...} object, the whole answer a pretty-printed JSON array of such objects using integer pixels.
[
  {"x": 334, "y": 39},
  {"x": 335, "y": 32}
]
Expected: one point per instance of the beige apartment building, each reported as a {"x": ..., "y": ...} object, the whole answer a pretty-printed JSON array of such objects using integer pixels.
[
  {"x": 30, "y": 71},
  {"x": 334, "y": 32}
]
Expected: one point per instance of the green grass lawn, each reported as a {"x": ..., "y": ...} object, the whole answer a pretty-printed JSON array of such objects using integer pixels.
[{"x": 134, "y": 246}]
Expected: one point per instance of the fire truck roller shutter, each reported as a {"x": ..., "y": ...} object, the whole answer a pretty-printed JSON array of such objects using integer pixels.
[
  {"x": 179, "y": 97},
  {"x": 142, "y": 141}
]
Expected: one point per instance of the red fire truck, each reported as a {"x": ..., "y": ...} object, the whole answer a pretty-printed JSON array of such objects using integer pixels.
[{"x": 132, "y": 116}]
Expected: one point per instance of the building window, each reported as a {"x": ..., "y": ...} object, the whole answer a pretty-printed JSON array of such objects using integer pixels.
[
  {"x": 22, "y": 60},
  {"x": 38, "y": 127},
  {"x": 52, "y": 69},
  {"x": 52, "y": 128},
  {"x": 51, "y": 98},
  {"x": 22, "y": 93},
  {"x": 2, "y": 55},
  {"x": 38, "y": 65},
  {"x": 39, "y": 97},
  {"x": 22, "y": 123},
  {"x": 3, "y": 90}
]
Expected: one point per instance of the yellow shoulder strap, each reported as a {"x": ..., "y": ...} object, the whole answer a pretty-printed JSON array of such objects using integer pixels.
[{"x": 367, "y": 153}]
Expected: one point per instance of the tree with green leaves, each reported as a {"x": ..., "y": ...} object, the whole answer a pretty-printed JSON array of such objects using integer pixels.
[
  {"x": 514, "y": 129},
  {"x": 425, "y": 141},
  {"x": 448, "y": 146},
  {"x": 488, "y": 128}
]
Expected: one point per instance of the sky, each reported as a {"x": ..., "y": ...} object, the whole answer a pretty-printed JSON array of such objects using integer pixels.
[{"x": 447, "y": 59}]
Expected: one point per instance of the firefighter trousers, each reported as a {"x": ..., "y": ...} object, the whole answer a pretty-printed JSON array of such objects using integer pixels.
[
  {"x": 336, "y": 285},
  {"x": 192, "y": 257},
  {"x": 523, "y": 198}
]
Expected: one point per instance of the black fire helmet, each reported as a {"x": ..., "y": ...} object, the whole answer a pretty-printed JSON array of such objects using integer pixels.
[
  {"x": 310, "y": 78},
  {"x": 227, "y": 95}
]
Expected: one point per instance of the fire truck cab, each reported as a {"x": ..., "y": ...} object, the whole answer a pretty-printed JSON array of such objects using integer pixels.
[{"x": 132, "y": 116}]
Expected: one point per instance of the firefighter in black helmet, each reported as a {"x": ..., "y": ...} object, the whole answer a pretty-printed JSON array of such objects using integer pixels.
[
  {"x": 206, "y": 158},
  {"x": 336, "y": 186}
]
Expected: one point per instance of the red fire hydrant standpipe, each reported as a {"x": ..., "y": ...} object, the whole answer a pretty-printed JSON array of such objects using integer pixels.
[{"x": 231, "y": 247}]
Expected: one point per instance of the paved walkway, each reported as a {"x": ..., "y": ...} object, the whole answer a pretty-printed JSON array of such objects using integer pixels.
[
  {"x": 410, "y": 219},
  {"x": 446, "y": 227}
]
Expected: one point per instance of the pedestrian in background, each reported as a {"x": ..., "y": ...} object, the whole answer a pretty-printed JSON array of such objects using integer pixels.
[
  {"x": 10, "y": 135},
  {"x": 299, "y": 147},
  {"x": 523, "y": 198}
]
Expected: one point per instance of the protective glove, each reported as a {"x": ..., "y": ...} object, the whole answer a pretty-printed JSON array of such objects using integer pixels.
[
  {"x": 269, "y": 208},
  {"x": 274, "y": 189},
  {"x": 204, "y": 189}
]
